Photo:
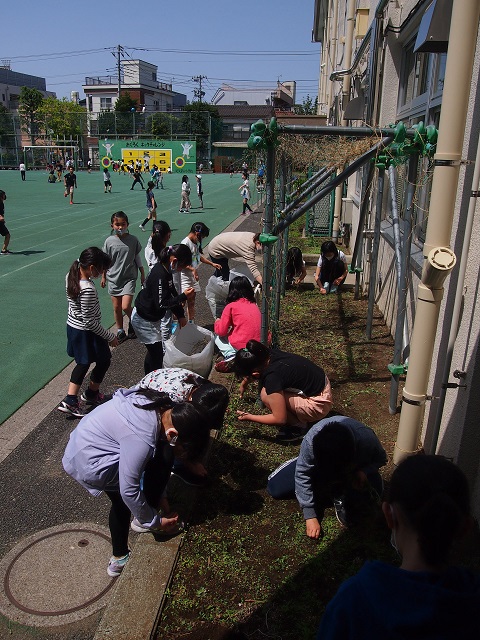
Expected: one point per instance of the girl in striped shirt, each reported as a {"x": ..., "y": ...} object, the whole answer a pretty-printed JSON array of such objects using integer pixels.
[{"x": 87, "y": 340}]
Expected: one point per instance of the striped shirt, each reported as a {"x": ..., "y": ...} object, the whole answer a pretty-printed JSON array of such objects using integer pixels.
[{"x": 84, "y": 313}]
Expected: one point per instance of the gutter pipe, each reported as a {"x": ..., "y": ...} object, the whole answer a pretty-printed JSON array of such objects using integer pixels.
[{"x": 440, "y": 260}]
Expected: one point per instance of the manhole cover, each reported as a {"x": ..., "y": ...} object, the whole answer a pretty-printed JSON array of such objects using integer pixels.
[{"x": 56, "y": 576}]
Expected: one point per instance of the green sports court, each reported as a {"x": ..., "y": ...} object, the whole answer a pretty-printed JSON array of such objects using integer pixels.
[{"x": 48, "y": 234}]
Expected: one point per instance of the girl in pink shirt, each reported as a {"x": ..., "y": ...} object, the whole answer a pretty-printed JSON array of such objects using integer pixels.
[{"x": 240, "y": 322}]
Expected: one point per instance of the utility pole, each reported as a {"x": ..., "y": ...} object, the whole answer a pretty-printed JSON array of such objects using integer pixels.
[
  {"x": 198, "y": 93},
  {"x": 119, "y": 74}
]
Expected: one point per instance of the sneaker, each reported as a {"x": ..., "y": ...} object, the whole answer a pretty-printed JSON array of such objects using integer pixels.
[
  {"x": 5, "y": 252},
  {"x": 98, "y": 398},
  {"x": 181, "y": 210},
  {"x": 135, "y": 525},
  {"x": 140, "y": 226},
  {"x": 121, "y": 335},
  {"x": 288, "y": 436},
  {"x": 71, "y": 409},
  {"x": 340, "y": 512},
  {"x": 116, "y": 565},
  {"x": 193, "y": 479},
  {"x": 224, "y": 366}
]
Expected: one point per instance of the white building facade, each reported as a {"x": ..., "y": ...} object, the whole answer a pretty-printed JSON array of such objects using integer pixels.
[{"x": 384, "y": 62}]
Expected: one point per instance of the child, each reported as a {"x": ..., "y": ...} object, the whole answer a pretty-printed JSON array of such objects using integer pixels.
[
  {"x": 185, "y": 203},
  {"x": 199, "y": 190},
  {"x": 126, "y": 448},
  {"x": 107, "y": 185},
  {"x": 338, "y": 463},
  {"x": 158, "y": 296},
  {"x": 3, "y": 227},
  {"x": 137, "y": 179},
  {"x": 245, "y": 189},
  {"x": 294, "y": 389},
  {"x": 70, "y": 182},
  {"x": 151, "y": 205},
  {"x": 162, "y": 229},
  {"x": 240, "y": 322},
  {"x": 428, "y": 511},
  {"x": 189, "y": 276},
  {"x": 331, "y": 268},
  {"x": 124, "y": 252},
  {"x": 182, "y": 385},
  {"x": 295, "y": 271},
  {"x": 87, "y": 340}
]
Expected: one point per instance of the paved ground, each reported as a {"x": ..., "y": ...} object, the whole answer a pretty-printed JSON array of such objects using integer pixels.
[{"x": 53, "y": 533}]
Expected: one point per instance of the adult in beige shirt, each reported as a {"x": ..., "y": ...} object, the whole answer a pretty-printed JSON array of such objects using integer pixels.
[{"x": 235, "y": 244}]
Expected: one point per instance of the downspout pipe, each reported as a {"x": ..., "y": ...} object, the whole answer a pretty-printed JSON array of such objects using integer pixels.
[
  {"x": 376, "y": 246},
  {"x": 456, "y": 93},
  {"x": 346, "y": 85},
  {"x": 350, "y": 170},
  {"x": 457, "y": 306},
  {"x": 358, "y": 56}
]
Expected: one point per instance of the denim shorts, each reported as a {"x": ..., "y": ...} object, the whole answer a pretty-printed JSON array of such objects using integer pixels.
[{"x": 147, "y": 332}]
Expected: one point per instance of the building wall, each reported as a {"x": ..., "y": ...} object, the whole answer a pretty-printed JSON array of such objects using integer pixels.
[{"x": 459, "y": 435}]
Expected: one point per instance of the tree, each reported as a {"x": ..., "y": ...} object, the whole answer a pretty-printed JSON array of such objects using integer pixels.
[
  {"x": 62, "y": 118},
  {"x": 202, "y": 120},
  {"x": 29, "y": 103},
  {"x": 7, "y": 128},
  {"x": 125, "y": 103},
  {"x": 307, "y": 108},
  {"x": 162, "y": 124}
]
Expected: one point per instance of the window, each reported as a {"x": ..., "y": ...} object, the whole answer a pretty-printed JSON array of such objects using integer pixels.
[
  {"x": 419, "y": 100},
  {"x": 415, "y": 77},
  {"x": 105, "y": 104}
]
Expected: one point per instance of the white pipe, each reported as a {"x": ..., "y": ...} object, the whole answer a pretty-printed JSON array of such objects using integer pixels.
[
  {"x": 456, "y": 92},
  {"x": 346, "y": 84}
]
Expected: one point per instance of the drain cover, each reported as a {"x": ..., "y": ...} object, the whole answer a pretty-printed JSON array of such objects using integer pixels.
[{"x": 56, "y": 576}]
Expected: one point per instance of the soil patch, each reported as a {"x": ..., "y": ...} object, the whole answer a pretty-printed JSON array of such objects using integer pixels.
[{"x": 247, "y": 569}]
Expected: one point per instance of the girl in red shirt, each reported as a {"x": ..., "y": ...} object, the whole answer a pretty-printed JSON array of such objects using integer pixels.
[{"x": 240, "y": 322}]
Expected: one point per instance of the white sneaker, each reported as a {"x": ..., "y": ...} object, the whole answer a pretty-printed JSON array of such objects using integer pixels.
[
  {"x": 140, "y": 226},
  {"x": 171, "y": 531}
]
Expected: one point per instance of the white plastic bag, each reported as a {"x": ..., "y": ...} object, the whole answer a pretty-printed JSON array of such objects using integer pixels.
[
  {"x": 216, "y": 291},
  {"x": 180, "y": 350}
]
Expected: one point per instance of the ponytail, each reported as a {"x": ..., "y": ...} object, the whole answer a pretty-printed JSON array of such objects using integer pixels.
[
  {"x": 179, "y": 251},
  {"x": 253, "y": 358},
  {"x": 93, "y": 256}
]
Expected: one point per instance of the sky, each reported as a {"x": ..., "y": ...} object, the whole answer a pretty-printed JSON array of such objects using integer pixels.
[{"x": 244, "y": 44}]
